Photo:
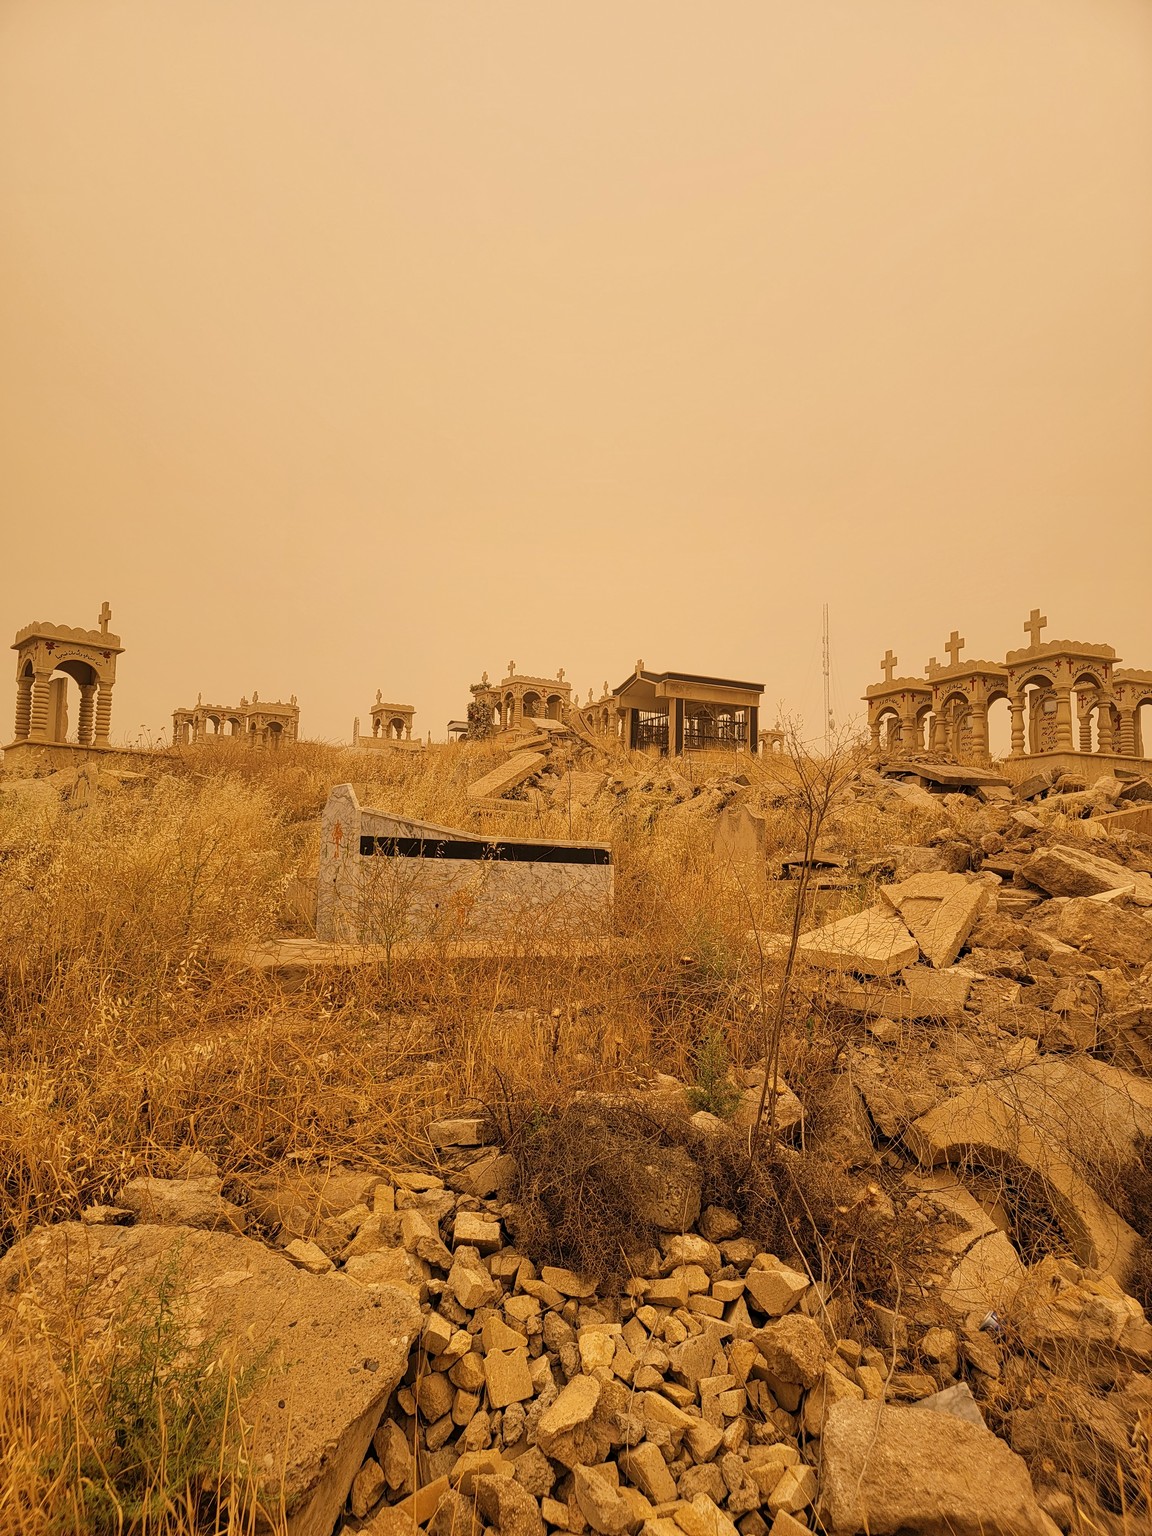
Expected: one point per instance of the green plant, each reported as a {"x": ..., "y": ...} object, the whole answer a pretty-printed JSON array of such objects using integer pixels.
[
  {"x": 151, "y": 1441},
  {"x": 712, "y": 1089}
]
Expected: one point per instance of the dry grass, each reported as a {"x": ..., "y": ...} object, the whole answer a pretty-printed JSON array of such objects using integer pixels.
[{"x": 132, "y": 1031}]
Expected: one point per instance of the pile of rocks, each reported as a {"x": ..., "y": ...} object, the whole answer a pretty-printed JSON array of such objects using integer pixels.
[{"x": 702, "y": 1400}]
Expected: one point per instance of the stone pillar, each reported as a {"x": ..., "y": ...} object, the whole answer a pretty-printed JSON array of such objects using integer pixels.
[
  {"x": 103, "y": 713},
  {"x": 1104, "y": 726},
  {"x": 754, "y": 728},
  {"x": 1064, "y": 720},
  {"x": 908, "y": 731},
  {"x": 1127, "y": 732},
  {"x": 1085, "y": 723},
  {"x": 1016, "y": 712},
  {"x": 1137, "y": 735},
  {"x": 38, "y": 726},
  {"x": 87, "y": 714},
  {"x": 23, "y": 707},
  {"x": 874, "y": 732},
  {"x": 978, "y": 718}
]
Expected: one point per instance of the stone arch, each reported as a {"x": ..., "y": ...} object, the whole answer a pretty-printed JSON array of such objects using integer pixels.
[
  {"x": 953, "y": 723},
  {"x": 999, "y": 724},
  {"x": 274, "y": 733},
  {"x": 1038, "y": 691},
  {"x": 1088, "y": 699},
  {"x": 509, "y": 711},
  {"x": 1142, "y": 725},
  {"x": 925, "y": 726},
  {"x": 396, "y": 728},
  {"x": 71, "y": 700},
  {"x": 886, "y": 724},
  {"x": 554, "y": 706},
  {"x": 531, "y": 704}
]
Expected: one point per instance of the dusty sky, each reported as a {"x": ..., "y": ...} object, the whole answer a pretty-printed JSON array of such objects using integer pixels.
[{"x": 358, "y": 344}]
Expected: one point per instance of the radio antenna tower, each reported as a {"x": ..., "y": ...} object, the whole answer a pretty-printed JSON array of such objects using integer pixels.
[{"x": 829, "y": 722}]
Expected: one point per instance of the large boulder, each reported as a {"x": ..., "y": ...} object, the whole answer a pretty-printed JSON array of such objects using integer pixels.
[
  {"x": 888, "y": 1469},
  {"x": 1065, "y": 870},
  {"x": 327, "y": 1353},
  {"x": 1101, "y": 930},
  {"x": 195, "y": 1202}
]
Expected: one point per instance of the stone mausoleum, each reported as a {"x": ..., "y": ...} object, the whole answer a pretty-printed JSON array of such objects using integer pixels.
[
  {"x": 391, "y": 724},
  {"x": 674, "y": 712},
  {"x": 64, "y": 682},
  {"x": 1071, "y": 706},
  {"x": 256, "y": 724},
  {"x": 520, "y": 697}
]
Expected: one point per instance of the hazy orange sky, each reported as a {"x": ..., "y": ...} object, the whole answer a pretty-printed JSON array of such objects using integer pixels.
[{"x": 348, "y": 344}]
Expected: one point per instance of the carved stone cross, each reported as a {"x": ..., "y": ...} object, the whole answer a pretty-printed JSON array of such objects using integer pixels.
[
  {"x": 560, "y": 675},
  {"x": 1035, "y": 624},
  {"x": 511, "y": 669},
  {"x": 955, "y": 645},
  {"x": 888, "y": 664},
  {"x": 105, "y": 618}
]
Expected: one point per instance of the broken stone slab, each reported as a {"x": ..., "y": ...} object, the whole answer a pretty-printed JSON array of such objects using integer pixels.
[
  {"x": 461, "y": 1131},
  {"x": 667, "y": 1195},
  {"x": 182, "y": 1203},
  {"x": 576, "y": 1429},
  {"x": 940, "y": 912},
  {"x": 300, "y": 1200},
  {"x": 939, "y": 995},
  {"x": 509, "y": 775},
  {"x": 1060, "y": 1118},
  {"x": 794, "y": 1349},
  {"x": 956, "y": 1400},
  {"x": 1066, "y": 1315},
  {"x": 1109, "y": 935},
  {"x": 887, "y": 1469},
  {"x": 873, "y": 943},
  {"x": 775, "y": 1289},
  {"x": 327, "y": 1353},
  {"x": 984, "y": 1271},
  {"x": 1065, "y": 870}
]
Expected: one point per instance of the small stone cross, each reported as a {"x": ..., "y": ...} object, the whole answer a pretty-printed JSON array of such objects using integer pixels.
[
  {"x": 955, "y": 645},
  {"x": 932, "y": 664},
  {"x": 1034, "y": 625},
  {"x": 105, "y": 618},
  {"x": 511, "y": 669},
  {"x": 639, "y": 667},
  {"x": 560, "y": 675},
  {"x": 888, "y": 664}
]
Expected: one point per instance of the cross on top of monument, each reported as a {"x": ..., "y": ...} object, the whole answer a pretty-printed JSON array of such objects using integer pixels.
[
  {"x": 511, "y": 669},
  {"x": 932, "y": 664},
  {"x": 955, "y": 645},
  {"x": 888, "y": 663},
  {"x": 560, "y": 675},
  {"x": 105, "y": 618},
  {"x": 1036, "y": 622}
]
